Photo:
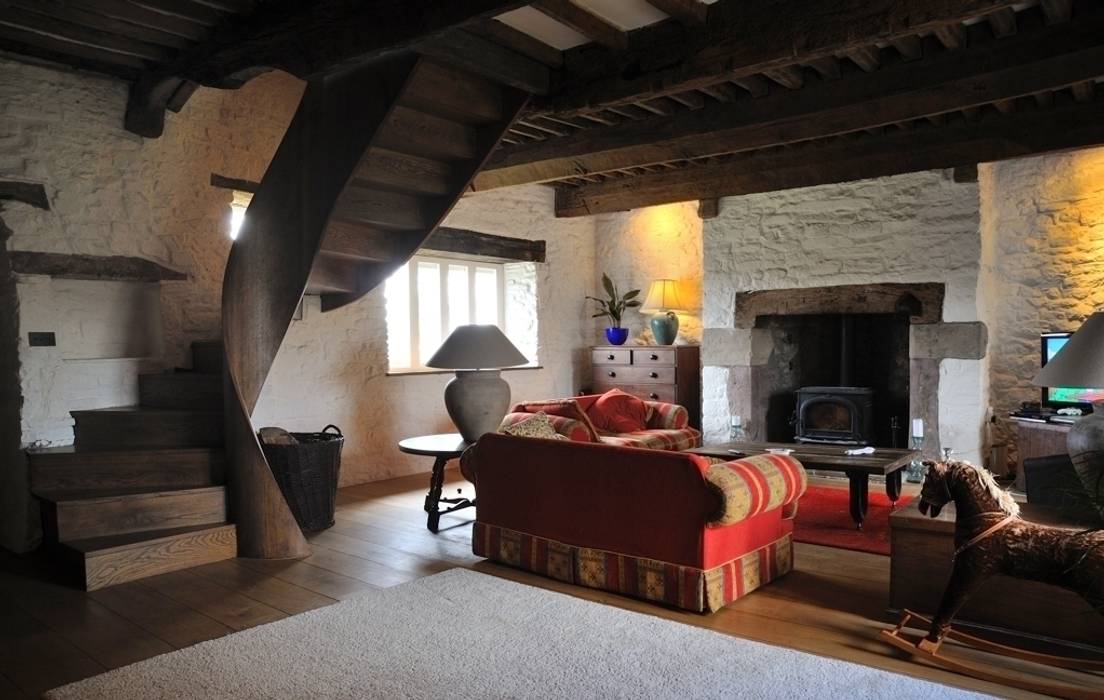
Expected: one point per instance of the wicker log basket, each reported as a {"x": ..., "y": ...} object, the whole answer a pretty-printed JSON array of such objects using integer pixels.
[{"x": 307, "y": 472}]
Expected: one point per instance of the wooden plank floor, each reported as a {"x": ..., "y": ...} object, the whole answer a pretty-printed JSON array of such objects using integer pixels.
[{"x": 52, "y": 634}]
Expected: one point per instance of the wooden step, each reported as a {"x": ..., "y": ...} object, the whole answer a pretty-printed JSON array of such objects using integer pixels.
[
  {"x": 133, "y": 427},
  {"x": 333, "y": 275},
  {"x": 207, "y": 356},
  {"x": 105, "y": 561},
  {"x": 71, "y": 515},
  {"x": 180, "y": 390},
  {"x": 388, "y": 169},
  {"x": 443, "y": 91},
  {"x": 67, "y": 469},
  {"x": 363, "y": 242},
  {"x": 410, "y": 131},
  {"x": 391, "y": 210}
]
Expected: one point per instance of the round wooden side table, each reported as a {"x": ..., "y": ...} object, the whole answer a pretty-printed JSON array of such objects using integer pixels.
[{"x": 443, "y": 447}]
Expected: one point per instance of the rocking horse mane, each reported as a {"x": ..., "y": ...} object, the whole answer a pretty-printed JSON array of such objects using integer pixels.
[{"x": 989, "y": 484}]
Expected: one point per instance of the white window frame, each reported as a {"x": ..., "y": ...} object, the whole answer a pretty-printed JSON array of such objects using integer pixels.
[{"x": 443, "y": 264}]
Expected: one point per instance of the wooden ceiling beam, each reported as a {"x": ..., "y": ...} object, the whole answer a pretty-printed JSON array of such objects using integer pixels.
[
  {"x": 866, "y": 58},
  {"x": 75, "y": 14},
  {"x": 689, "y": 12},
  {"x": 586, "y": 23},
  {"x": 1028, "y": 63},
  {"x": 952, "y": 36},
  {"x": 137, "y": 14},
  {"x": 304, "y": 39},
  {"x": 473, "y": 53},
  {"x": 745, "y": 38},
  {"x": 1002, "y": 22},
  {"x": 895, "y": 152},
  {"x": 519, "y": 42},
  {"x": 1057, "y": 11},
  {"x": 56, "y": 28}
]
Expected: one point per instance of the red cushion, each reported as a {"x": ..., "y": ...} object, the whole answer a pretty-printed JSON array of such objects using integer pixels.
[
  {"x": 568, "y": 408},
  {"x": 618, "y": 412}
]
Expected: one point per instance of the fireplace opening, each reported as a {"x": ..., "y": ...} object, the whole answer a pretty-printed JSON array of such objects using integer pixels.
[{"x": 837, "y": 378}]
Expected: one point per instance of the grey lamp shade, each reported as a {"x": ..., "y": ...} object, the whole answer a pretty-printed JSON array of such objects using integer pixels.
[
  {"x": 1080, "y": 362},
  {"x": 476, "y": 347}
]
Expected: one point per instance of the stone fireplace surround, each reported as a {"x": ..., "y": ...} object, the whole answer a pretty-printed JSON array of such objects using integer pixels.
[{"x": 735, "y": 359}]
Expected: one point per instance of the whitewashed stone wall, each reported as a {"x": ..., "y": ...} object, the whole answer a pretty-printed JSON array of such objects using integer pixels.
[
  {"x": 639, "y": 246},
  {"x": 921, "y": 227},
  {"x": 332, "y": 367},
  {"x": 1042, "y": 222}
]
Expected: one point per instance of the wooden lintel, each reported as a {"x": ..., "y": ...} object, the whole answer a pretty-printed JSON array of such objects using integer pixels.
[
  {"x": 922, "y": 301},
  {"x": 234, "y": 183},
  {"x": 1009, "y": 68},
  {"x": 709, "y": 208},
  {"x": 456, "y": 240},
  {"x": 27, "y": 192},
  {"x": 115, "y": 268},
  {"x": 993, "y": 137}
]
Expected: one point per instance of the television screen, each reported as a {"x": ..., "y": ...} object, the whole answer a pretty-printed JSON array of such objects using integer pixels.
[{"x": 1064, "y": 396}]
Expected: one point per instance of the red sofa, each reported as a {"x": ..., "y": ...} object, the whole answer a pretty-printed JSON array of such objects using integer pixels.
[{"x": 670, "y": 527}]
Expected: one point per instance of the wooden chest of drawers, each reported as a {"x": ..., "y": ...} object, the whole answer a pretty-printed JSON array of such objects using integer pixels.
[{"x": 670, "y": 373}]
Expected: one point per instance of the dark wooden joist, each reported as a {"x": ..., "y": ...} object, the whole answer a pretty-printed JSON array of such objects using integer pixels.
[
  {"x": 586, "y": 23},
  {"x": 475, "y": 54},
  {"x": 744, "y": 38},
  {"x": 304, "y": 39},
  {"x": 992, "y": 138},
  {"x": 486, "y": 245},
  {"x": 31, "y": 193},
  {"x": 1049, "y": 58},
  {"x": 78, "y": 12},
  {"x": 690, "y": 12},
  {"x": 709, "y": 208},
  {"x": 519, "y": 42},
  {"x": 234, "y": 183},
  {"x": 116, "y": 268}
]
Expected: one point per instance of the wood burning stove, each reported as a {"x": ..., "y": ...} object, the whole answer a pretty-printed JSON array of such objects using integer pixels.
[{"x": 834, "y": 414}]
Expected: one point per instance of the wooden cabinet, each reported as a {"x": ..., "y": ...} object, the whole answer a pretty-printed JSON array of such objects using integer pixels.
[
  {"x": 670, "y": 373},
  {"x": 1038, "y": 440}
]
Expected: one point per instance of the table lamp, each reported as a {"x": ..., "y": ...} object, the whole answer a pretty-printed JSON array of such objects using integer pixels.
[
  {"x": 1080, "y": 364},
  {"x": 477, "y": 397},
  {"x": 663, "y": 299}
]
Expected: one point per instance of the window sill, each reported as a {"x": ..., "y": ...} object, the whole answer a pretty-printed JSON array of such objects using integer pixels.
[{"x": 409, "y": 372}]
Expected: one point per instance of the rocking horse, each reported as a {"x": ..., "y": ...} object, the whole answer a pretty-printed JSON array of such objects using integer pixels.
[{"x": 990, "y": 538}]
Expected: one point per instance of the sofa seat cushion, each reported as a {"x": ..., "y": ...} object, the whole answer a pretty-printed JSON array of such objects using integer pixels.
[
  {"x": 618, "y": 412},
  {"x": 754, "y": 485},
  {"x": 654, "y": 439},
  {"x": 569, "y": 428}
]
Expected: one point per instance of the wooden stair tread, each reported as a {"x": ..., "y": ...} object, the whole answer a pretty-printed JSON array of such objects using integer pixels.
[
  {"x": 406, "y": 172},
  {"x": 384, "y": 208},
  {"x": 412, "y": 132},
  {"x": 96, "y": 546},
  {"x": 93, "y": 496},
  {"x": 444, "y": 91}
]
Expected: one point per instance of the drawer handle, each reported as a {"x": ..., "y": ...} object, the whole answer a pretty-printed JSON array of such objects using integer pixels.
[
  {"x": 653, "y": 395},
  {"x": 654, "y": 357},
  {"x": 610, "y": 357},
  {"x": 653, "y": 375},
  {"x": 612, "y": 373}
]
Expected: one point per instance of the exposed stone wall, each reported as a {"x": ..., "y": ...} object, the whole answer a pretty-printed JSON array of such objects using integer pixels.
[
  {"x": 636, "y": 247},
  {"x": 921, "y": 227},
  {"x": 1042, "y": 221},
  {"x": 332, "y": 367},
  {"x": 17, "y": 512}
]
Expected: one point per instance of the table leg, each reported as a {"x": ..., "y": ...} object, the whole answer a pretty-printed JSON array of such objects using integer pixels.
[
  {"x": 433, "y": 498},
  {"x": 893, "y": 486},
  {"x": 860, "y": 492}
]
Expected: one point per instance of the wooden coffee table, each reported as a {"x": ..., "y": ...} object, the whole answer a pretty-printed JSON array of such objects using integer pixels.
[
  {"x": 885, "y": 461},
  {"x": 442, "y": 447}
]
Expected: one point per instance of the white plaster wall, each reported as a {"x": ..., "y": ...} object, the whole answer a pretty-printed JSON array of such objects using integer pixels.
[
  {"x": 920, "y": 227},
  {"x": 332, "y": 367}
]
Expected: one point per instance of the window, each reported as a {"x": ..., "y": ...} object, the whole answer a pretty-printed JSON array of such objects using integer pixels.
[
  {"x": 429, "y": 297},
  {"x": 237, "y": 211}
]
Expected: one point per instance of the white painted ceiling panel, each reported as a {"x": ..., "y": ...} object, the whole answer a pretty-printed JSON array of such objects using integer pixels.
[
  {"x": 626, "y": 14},
  {"x": 542, "y": 27}
]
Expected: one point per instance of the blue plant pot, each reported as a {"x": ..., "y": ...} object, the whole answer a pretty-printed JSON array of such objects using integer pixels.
[{"x": 617, "y": 336}]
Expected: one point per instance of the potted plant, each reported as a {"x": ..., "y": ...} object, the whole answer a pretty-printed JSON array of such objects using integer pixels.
[{"x": 613, "y": 308}]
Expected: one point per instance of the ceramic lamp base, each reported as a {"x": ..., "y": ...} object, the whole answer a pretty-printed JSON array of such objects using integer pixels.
[
  {"x": 1086, "y": 450},
  {"x": 665, "y": 327},
  {"x": 476, "y": 401}
]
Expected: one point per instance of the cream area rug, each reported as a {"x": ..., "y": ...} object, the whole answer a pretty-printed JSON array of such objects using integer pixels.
[{"x": 470, "y": 635}]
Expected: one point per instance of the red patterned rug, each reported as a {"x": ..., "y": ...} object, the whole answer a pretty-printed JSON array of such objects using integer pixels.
[{"x": 824, "y": 517}]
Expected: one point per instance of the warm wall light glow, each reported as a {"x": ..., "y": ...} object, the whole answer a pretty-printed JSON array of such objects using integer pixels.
[{"x": 237, "y": 212}]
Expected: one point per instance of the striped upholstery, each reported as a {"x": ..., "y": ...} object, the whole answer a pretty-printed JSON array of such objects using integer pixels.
[
  {"x": 753, "y": 485},
  {"x": 655, "y": 439},
  {"x": 666, "y": 416},
  {"x": 686, "y": 587},
  {"x": 568, "y": 427},
  {"x": 567, "y": 408}
]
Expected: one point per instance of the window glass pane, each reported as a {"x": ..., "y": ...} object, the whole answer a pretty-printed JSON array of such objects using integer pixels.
[
  {"x": 486, "y": 295},
  {"x": 429, "y": 309},
  {"x": 458, "y": 312},
  {"x": 397, "y": 294}
]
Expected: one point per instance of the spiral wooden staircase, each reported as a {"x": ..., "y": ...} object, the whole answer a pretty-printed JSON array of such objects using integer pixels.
[{"x": 373, "y": 160}]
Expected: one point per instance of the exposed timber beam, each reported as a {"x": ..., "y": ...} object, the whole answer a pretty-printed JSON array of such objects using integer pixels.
[
  {"x": 586, "y": 23},
  {"x": 993, "y": 138},
  {"x": 475, "y": 54},
  {"x": 690, "y": 12},
  {"x": 744, "y": 38},
  {"x": 1057, "y": 11},
  {"x": 484, "y": 245},
  {"x": 304, "y": 39},
  {"x": 119, "y": 268},
  {"x": 31, "y": 193},
  {"x": 1028, "y": 63}
]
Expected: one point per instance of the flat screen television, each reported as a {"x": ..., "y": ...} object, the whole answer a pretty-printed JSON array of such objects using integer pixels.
[{"x": 1058, "y": 396}]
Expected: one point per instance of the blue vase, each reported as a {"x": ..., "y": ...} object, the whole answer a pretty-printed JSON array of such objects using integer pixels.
[
  {"x": 617, "y": 336},
  {"x": 665, "y": 327}
]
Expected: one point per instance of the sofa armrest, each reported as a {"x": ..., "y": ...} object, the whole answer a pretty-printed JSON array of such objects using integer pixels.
[
  {"x": 568, "y": 427},
  {"x": 666, "y": 416},
  {"x": 754, "y": 485}
]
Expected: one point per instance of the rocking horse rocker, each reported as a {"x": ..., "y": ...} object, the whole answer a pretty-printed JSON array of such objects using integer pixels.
[{"x": 990, "y": 538}]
